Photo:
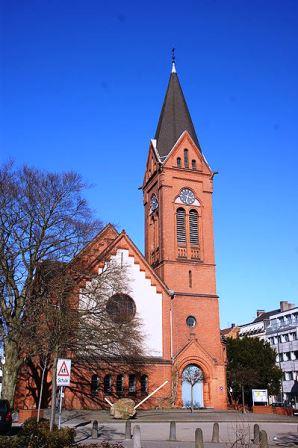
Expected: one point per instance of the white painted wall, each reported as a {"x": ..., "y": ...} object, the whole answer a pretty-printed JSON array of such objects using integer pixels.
[{"x": 148, "y": 302}]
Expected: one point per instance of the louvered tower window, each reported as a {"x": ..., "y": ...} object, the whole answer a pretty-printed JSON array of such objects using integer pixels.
[
  {"x": 193, "y": 228},
  {"x": 181, "y": 232}
]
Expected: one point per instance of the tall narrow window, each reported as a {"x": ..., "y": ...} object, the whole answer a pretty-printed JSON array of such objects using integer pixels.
[
  {"x": 144, "y": 384},
  {"x": 119, "y": 384},
  {"x": 181, "y": 232},
  {"x": 193, "y": 227},
  {"x": 186, "y": 162},
  {"x": 193, "y": 164},
  {"x": 132, "y": 384},
  {"x": 107, "y": 384},
  {"x": 94, "y": 385},
  {"x": 190, "y": 279},
  {"x": 179, "y": 162}
]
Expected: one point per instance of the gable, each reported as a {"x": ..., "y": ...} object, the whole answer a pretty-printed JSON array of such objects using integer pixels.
[
  {"x": 185, "y": 142},
  {"x": 148, "y": 301},
  {"x": 97, "y": 246}
]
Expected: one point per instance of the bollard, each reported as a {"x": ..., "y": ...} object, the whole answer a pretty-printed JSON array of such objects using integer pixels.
[
  {"x": 263, "y": 439},
  {"x": 256, "y": 434},
  {"x": 199, "y": 438},
  {"x": 136, "y": 437},
  {"x": 172, "y": 437},
  {"x": 128, "y": 429},
  {"x": 215, "y": 433},
  {"x": 94, "y": 432}
]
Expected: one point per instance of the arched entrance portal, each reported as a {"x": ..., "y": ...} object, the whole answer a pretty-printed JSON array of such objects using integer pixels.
[{"x": 192, "y": 387}]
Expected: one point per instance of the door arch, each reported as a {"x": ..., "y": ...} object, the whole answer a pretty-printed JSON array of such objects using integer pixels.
[{"x": 192, "y": 387}]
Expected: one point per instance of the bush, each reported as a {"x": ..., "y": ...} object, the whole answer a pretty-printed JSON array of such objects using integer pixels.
[
  {"x": 38, "y": 435},
  {"x": 9, "y": 442},
  {"x": 103, "y": 445}
]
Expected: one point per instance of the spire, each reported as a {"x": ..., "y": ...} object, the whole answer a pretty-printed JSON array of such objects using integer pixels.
[{"x": 174, "y": 117}]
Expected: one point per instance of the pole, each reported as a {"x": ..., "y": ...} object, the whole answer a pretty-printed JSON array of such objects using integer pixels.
[
  {"x": 60, "y": 406},
  {"x": 41, "y": 391}
]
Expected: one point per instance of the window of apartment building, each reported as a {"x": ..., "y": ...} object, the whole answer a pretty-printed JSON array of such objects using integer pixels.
[
  {"x": 285, "y": 338},
  {"x": 288, "y": 376}
]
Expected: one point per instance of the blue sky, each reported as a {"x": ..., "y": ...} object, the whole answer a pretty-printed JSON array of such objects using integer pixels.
[{"x": 82, "y": 83}]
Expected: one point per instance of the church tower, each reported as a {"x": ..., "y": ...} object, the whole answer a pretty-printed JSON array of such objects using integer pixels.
[{"x": 179, "y": 241}]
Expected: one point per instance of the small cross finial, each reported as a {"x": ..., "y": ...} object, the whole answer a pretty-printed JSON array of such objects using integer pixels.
[{"x": 173, "y": 61}]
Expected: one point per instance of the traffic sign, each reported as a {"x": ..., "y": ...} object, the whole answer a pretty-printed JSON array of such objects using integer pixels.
[{"x": 63, "y": 372}]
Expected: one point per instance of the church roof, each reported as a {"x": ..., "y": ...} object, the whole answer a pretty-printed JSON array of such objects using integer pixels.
[{"x": 174, "y": 118}]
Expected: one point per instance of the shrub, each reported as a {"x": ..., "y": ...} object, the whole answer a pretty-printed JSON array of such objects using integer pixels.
[
  {"x": 103, "y": 445},
  {"x": 38, "y": 435},
  {"x": 9, "y": 442}
]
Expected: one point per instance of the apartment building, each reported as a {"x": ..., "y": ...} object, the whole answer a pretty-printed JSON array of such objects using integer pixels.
[{"x": 280, "y": 328}]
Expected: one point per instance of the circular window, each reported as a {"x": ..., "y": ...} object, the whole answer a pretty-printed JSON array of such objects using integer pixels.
[
  {"x": 121, "y": 308},
  {"x": 191, "y": 321}
]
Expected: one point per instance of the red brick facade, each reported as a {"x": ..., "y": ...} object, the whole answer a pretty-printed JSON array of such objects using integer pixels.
[{"x": 183, "y": 272}]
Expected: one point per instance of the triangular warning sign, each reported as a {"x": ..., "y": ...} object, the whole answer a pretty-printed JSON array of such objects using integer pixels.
[{"x": 63, "y": 371}]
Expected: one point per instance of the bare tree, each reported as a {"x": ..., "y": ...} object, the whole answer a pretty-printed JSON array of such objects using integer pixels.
[
  {"x": 81, "y": 314},
  {"x": 192, "y": 375},
  {"x": 42, "y": 217}
]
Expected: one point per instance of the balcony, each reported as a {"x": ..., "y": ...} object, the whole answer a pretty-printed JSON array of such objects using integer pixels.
[
  {"x": 182, "y": 252},
  {"x": 195, "y": 253}
]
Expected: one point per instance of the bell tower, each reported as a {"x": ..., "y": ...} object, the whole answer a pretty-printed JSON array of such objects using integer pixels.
[
  {"x": 179, "y": 242},
  {"x": 177, "y": 188}
]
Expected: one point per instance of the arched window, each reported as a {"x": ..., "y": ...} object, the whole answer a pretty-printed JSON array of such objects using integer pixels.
[
  {"x": 119, "y": 384},
  {"x": 193, "y": 227},
  {"x": 132, "y": 384},
  {"x": 194, "y": 164},
  {"x": 107, "y": 384},
  {"x": 181, "y": 232},
  {"x": 186, "y": 162},
  {"x": 179, "y": 162},
  {"x": 144, "y": 384},
  {"x": 94, "y": 385}
]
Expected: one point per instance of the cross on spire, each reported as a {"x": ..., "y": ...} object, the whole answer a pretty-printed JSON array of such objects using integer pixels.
[{"x": 173, "y": 61}]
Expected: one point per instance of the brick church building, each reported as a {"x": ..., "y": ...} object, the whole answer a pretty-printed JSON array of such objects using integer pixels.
[{"x": 173, "y": 287}]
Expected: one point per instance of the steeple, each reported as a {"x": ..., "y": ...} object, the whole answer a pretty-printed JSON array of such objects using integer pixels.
[{"x": 174, "y": 117}]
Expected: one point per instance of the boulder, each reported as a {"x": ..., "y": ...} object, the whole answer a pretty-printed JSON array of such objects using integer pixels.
[{"x": 123, "y": 409}]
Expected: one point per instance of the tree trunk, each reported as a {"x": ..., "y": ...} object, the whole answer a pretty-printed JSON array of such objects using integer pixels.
[
  {"x": 10, "y": 370},
  {"x": 191, "y": 397},
  {"x": 243, "y": 402},
  {"x": 54, "y": 387}
]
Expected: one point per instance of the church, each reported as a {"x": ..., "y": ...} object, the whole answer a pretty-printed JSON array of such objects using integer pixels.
[{"x": 172, "y": 287}]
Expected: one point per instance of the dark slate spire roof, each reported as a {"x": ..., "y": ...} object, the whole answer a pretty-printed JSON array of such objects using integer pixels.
[{"x": 174, "y": 118}]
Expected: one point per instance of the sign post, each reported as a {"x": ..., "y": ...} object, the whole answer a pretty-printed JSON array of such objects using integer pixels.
[
  {"x": 63, "y": 379},
  {"x": 260, "y": 396}
]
